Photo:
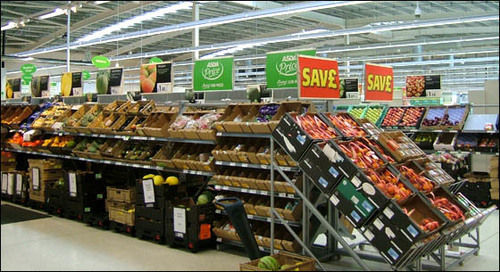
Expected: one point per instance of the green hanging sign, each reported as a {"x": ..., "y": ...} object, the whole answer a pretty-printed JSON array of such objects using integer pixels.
[
  {"x": 281, "y": 68},
  {"x": 155, "y": 60},
  {"x": 101, "y": 61},
  {"x": 28, "y": 68},
  {"x": 213, "y": 74},
  {"x": 27, "y": 78},
  {"x": 86, "y": 74}
]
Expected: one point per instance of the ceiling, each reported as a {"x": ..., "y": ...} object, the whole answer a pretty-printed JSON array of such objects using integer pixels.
[{"x": 468, "y": 61}]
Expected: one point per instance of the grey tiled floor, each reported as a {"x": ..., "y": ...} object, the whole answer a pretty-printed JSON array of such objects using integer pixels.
[{"x": 60, "y": 244}]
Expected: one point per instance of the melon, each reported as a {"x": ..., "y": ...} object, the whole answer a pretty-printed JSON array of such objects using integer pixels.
[
  {"x": 202, "y": 199},
  {"x": 172, "y": 180},
  {"x": 102, "y": 82},
  {"x": 269, "y": 263},
  {"x": 158, "y": 180}
]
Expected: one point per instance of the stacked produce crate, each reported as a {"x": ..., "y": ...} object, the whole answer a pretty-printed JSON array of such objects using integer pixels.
[
  {"x": 84, "y": 194},
  {"x": 120, "y": 204},
  {"x": 43, "y": 174},
  {"x": 494, "y": 178}
]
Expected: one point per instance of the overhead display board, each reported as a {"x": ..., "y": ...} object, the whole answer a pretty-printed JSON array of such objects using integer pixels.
[
  {"x": 417, "y": 86},
  {"x": 348, "y": 86},
  {"x": 215, "y": 74},
  {"x": 379, "y": 82},
  {"x": 156, "y": 77},
  {"x": 13, "y": 88},
  {"x": 281, "y": 68},
  {"x": 109, "y": 81},
  {"x": 40, "y": 86},
  {"x": 71, "y": 84},
  {"x": 318, "y": 78}
]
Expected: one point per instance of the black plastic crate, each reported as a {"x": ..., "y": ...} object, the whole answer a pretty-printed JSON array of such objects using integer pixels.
[
  {"x": 150, "y": 229},
  {"x": 97, "y": 219},
  {"x": 198, "y": 225},
  {"x": 161, "y": 193},
  {"x": 122, "y": 228},
  {"x": 8, "y": 185},
  {"x": 477, "y": 192},
  {"x": 353, "y": 203},
  {"x": 157, "y": 214},
  {"x": 291, "y": 137},
  {"x": 21, "y": 194},
  {"x": 54, "y": 200},
  {"x": 77, "y": 209},
  {"x": 85, "y": 186}
]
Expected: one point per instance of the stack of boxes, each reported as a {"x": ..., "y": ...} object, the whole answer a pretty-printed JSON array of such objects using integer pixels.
[
  {"x": 120, "y": 204},
  {"x": 494, "y": 178},
  {"x": 43, "y": 174}
]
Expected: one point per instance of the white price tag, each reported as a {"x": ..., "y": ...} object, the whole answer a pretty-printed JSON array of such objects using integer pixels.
[
  {"x": 72, "y": 184},
  {"x": 10, "y": 183},
  {"x": 282, "y": 194},
  {"x": 149, "y": 191},
  {"x": 244, "y": 190},
  {"x": 77, "y": 91},
  {"x": 116, "y": 90},
  {"x": 35, "y": 172},
  {"x": 252, "y": 191},
  {"x": 19, "y": 184},
  {"x": 179, "y": 220},
  {"x": 4, "y": 183}
]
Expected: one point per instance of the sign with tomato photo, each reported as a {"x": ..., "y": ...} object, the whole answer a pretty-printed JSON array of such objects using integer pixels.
[
  {"x": 156, "y": 78},
  {"x": 379, "y": 82},
  {"x": 318, "y": 78},
  {"x": 415, "y": 86}
]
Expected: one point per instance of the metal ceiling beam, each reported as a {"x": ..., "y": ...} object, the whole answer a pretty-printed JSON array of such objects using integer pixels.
[
  {"x": 13, "y": 12},
  {"x": 86, "y": 22},
  {"x": 19, "y": 39}
]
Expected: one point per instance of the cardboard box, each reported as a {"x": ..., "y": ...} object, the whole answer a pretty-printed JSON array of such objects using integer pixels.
[{"x": 494, "y": 194}]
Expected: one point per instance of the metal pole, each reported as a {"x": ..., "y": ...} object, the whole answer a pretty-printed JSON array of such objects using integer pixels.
[
  {"x": 68, "y": 30},
  {"x": 323, "y": 221},
  {"x": 272, "y": 196},
  {"x": 196, "y": 30},
  {"x": 305, "y": 217}
]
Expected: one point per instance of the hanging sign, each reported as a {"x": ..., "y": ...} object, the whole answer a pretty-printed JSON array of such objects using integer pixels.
[
  {"x": 86, "y": 75},
  {"x": 155, "y": 60},
  {"x": 40, "y": 86},
  {"x": 418, "y": 86},
  {"x": 28, "y": 68},
  {"x": 27, "y": 78},
  {"x": 109, "y": 81},
  {"x": 318, "y": 78},
  {"x": 213, "y": 74},
  {"x": 156, "y": 78},
  {"x": 379, "y": 82},
  {"x": 13, "y": 88},
  {"x": 281, "y": 68},
  {"x": 101, "y": 61},
  {"x": 348, "y": 87},
  {"x": 71, "y": 84}
]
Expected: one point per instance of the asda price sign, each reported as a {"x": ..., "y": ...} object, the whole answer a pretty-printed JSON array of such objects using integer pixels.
[
  {"x": 281, "y": 68},
  {"x": 379, "y": 82},
  {"x": 318, "y": 78},
  {"x": 213, "y": 74}
]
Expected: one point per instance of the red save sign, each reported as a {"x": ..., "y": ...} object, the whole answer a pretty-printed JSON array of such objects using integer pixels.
[
  {"x": 379, "y": 82},
  {"x": 318, "y": 78}
]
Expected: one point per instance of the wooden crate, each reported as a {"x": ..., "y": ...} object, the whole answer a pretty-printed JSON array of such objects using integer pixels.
[
  {"x": 96, "y": 108},
  {"x": 118, "y": 205},
  {"x": 296, "y": 262},
  {"x": 121, "y": 216},
  {"x": 120, "y": 195},
  {"x": 158, "y": 123}
]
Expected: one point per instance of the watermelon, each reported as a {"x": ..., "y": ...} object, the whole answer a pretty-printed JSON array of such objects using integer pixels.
[
  {"x": 253, "y": 94},
  {"x": 269, "y": 263},
  {"x": 102, "y": 81}
]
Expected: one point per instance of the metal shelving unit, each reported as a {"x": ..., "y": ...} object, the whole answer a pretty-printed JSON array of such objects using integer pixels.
[
  {"x": 265, "y": 219},
  {"x": 134, "y": 165},
  {"x": 245, "y": 135},
  {"x": 256, "y": 166}
]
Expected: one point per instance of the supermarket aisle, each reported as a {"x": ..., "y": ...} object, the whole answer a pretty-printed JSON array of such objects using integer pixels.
[{"x": 60, "y": 244}]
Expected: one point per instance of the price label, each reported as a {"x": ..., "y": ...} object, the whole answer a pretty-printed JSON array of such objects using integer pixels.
[
  {"x": 4, "y": 183},
  {"x": 19, "y": 184},
  {"x": 244, "y": 190},
  {"x": 149, "y": 191},
  {"x": 35, "y": 173},
  {"x": 179, "y": 220},
  {"x": 282, "y": 194},
  {"x": 10, "y": 183},
  {"x": 72, "y": 184},
  {"x": 232, "y": 164},
  {"x": 244, "y": 165},
  {"x": 252, "y": 191}
]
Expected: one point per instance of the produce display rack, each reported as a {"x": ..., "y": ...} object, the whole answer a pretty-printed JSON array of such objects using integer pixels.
[
  {"x": 414, "y": 260},
  {"x": 264, "y": 219},
  {"x": 253, "y": 191},
  {"x": 256, "y": 166}
]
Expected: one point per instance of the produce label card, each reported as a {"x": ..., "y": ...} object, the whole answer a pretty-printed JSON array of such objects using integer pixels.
[
  {"x": 213, "y": 74},
  {"x": 40, "y": 86},
  {"x": 318, "y": 78},
  {"x": 149, "y": 191},
  {"x": 19, "y": 184},
  {"x": 179, "y": 220},
  {"x": 76, "y": 84},
  {"x": 4, "y": 183},
  {"x": 72, "y": 184},
  {"x": 13, "y": 88},
  {"x": 156, "y": 77},
  {"x": 35, "y": 172},
  {"x": 281, "y": 68},
  {"x": 379, "y": 82},
  {"x": 164, "y": 78},
  {"x": 10, "y": 183}
]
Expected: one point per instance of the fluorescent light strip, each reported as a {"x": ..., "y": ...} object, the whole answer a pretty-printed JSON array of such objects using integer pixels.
[
  {"x": 135, "y": 20},
  {"x": 56, "y": 12},
  {"x": 284, "y": 10},
  {"x": 9, "y": 25}
]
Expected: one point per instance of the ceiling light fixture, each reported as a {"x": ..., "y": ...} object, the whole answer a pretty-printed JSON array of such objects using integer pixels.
[
  {"x": 100, "y": 2},
  {"x": 56, "y": 12},
  {"x": 135, "y": 20},
  {"x": 9, "y": 25}
]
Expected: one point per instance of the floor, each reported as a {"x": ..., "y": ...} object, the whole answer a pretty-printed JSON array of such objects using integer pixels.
[{"x": 60, "y": 244}]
